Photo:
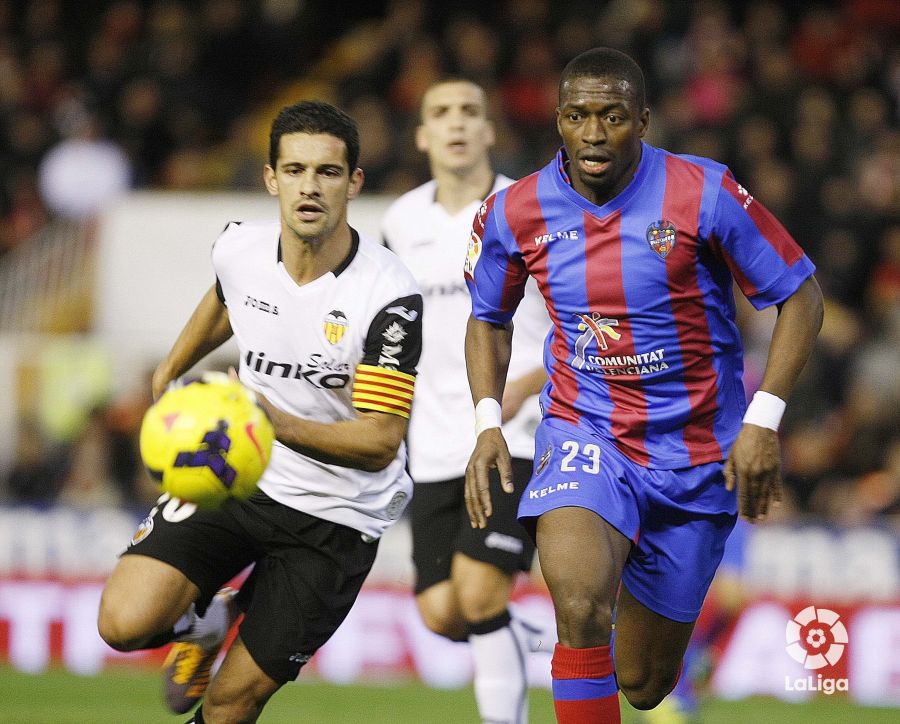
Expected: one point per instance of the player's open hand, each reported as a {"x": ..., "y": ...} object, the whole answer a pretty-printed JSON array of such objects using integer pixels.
[
  {"x": 490, "y": 453},
  {"x": 754, "y": 466}
]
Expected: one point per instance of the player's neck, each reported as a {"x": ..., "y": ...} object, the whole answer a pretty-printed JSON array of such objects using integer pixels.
[
  {"x": 455, "y": 190},
  {"x": 305, "y": 260}
]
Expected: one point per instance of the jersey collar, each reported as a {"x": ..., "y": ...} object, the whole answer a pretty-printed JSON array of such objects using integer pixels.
[
  {"x": 563, "y": 182},
  {"x": 354, "y": 247}
]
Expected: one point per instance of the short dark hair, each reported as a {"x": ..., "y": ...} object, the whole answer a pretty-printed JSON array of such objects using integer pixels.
[
  {"x": 315, "y": 117},
  {"x": 448, "y": 80},
  {"x": 598, "y": 62}
]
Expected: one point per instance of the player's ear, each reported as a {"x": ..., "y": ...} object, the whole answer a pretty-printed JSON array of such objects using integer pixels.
[
  {"x": 644, "y": 121},
  {"x": 271, "y": 180},
  {"x": 357, "y": 178},
  {"x": 558, "y": 127},
  {"x": 490, "y": 134},
  {"x": 421, "y": 140}
]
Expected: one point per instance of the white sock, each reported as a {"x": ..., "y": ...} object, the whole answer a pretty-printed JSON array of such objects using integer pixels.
[
  {"x": 183, "y": 625},
  {"x": 501, "y": 685},
  {"x": 210, "y": 629}
]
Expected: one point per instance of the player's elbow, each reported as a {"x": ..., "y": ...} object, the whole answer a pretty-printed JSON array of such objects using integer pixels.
[
  {"x": 380, "y": 456},
  {"x": 376, "y": 463},
  {"x": 383, "y": 434}
]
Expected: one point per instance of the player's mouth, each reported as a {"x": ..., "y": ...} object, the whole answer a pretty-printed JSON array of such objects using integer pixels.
[
  {"x": 309, "y": 211},
  {"x": 594, "y": 164},
  {"x": 458, "y": 146}
]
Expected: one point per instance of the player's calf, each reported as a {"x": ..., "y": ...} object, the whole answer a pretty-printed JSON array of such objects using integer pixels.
[{"x": 646, "y": 686}]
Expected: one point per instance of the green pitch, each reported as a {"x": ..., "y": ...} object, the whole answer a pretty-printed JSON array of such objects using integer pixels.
[{"x": 132, "y": 696}]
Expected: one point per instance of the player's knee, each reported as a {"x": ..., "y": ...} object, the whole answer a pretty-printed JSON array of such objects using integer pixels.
[
  {"x": 479, "y": 603},
  {"x": 232, "y": 709},
  {"x": 443, "y": 623},
  {"x": 123, "y": 625},
  {"x": 116, "y": 629},
  {"x": 645, "y": 688},
  {"x": 581, "y": 616}
]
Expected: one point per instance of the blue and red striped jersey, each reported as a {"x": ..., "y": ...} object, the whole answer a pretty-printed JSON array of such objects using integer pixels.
[{"x": 644, "y": 348}]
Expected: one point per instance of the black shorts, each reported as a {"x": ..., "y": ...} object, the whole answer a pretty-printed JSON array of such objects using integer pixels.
[
  {"x": 440, "y": 528},
  {"x": 307, "y": 573}
]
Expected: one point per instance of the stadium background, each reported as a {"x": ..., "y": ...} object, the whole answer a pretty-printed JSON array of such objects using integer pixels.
[{"x": 131, "y": 131}]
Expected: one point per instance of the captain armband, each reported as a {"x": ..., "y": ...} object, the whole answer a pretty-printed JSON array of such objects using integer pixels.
[
  {"x": 765, "y": 410},
  {"x": 383, "y": 390}
]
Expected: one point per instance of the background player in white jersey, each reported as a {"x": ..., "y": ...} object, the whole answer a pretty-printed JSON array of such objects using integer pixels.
[
  {"x": 464, "y": 576},
  {"x": 332, "y": 356}
]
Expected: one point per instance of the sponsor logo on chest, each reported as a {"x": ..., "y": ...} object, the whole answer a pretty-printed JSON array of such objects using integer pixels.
[{"x": 555, "y": 235}]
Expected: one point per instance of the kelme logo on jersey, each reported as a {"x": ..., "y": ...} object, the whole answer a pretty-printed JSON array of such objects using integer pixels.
[
  {"x": 661, "y": 237},
  {"x": 335, "y": 325}
]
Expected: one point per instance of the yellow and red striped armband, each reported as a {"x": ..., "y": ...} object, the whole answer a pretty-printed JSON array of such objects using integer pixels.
[{"x": 383, "y": 390}]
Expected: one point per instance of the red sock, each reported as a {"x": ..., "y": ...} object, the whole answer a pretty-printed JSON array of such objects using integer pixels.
[{"x": 584, "y": 686}]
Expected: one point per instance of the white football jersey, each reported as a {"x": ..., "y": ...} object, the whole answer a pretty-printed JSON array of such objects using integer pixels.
[
  {"x": 433, "y": 243},
  {"x": 348, "y": 340}
]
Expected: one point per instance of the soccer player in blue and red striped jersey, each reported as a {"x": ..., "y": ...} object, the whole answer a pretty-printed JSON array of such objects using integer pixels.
[{"x": 647, "y": 449}]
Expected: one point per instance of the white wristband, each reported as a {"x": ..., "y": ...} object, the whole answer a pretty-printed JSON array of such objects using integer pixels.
[
  {"x": 765, "y": 410},
  {"x": 487, "y": 415}
]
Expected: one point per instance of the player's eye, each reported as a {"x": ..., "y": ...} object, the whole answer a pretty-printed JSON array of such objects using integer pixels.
[{"x": 574, "y": 117}]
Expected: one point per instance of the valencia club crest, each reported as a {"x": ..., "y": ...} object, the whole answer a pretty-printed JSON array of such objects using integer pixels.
[{"x": 661, "y": 237}]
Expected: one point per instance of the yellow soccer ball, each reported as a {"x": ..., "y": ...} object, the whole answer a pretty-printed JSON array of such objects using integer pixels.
[{"x": 206, "y": 439}]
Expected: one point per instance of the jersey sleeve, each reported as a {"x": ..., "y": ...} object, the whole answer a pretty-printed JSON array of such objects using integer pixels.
[
  {"x": 496, "y": 278},
  {"x": 385, "y": 378},
  {"x": 766, "y": 262},
  {"x": 216, "y": 258}
]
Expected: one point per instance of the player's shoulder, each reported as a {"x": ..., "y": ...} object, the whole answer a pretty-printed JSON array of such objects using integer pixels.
[
  {"x": 501, "y": 182},
  {"x": 384, "y": 268},
  {"x": 236, "y": 232},
  {"x": 503, "y": 186},
  {"x": 708, "y": 165},
  {"x": 239, "y": 238},
  {"x": 409, "y": 205}
]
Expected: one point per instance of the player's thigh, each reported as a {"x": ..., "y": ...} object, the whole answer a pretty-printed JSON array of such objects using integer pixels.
[
  {"x": 434, "y": 513},
  {"x": 649, "y": 647},
  {"x": 482, "y": 589},
  {"x": 301, "y": 589},
  {"x": 582, "y": 557},
  {"x": 504, "y": 543},
  {"x": 687, "y": 518},
  {"x": 142, "y": 596},
  {"x": 208, "y": 547},
  {"x": 239, "y": 690}
]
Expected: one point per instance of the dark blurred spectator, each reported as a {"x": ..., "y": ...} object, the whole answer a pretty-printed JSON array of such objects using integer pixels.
[
  {"x": 39, "y": 468},
  {"x": 89, "y": 481}
]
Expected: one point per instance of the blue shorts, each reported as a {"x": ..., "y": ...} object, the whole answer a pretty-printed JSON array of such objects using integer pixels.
[{"x": 678, "y": 520}]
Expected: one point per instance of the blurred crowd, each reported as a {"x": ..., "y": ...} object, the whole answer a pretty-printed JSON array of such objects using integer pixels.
[{"x": 801, "y": 100}]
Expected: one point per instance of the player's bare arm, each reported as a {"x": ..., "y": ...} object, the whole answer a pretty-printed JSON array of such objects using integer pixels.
[
  {"x": 370, "y": 442},
  {"x": 754, "y": 464},
  {"x": 520, "y": 389},
  {"x": 207, "y": 329},
  {"x": 488, "y": 348}
]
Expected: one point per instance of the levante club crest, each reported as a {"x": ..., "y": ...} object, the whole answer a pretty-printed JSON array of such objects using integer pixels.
[{"x": 661, "y": 237}]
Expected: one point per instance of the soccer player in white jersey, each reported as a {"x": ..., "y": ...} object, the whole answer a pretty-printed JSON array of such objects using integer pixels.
[
  {"x": 329, "y": 331},
  {"x": 464, "y": 576}
]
